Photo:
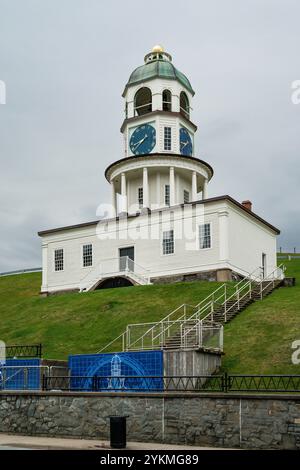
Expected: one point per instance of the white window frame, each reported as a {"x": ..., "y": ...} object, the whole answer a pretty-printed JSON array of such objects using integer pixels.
[
  {"x": 140, "y": 198},
  {"x": 63, "y": 260},
  {"x": 168, "y": 139},
  {"x": 167, "y": 102},
  {"x": 210, "y": 236},
  {"x": 162, "y": 243},
  {"x": 82, "y": 255},
  {"x": 186, "y": 192},
  {"x": 167, "y": 195}
]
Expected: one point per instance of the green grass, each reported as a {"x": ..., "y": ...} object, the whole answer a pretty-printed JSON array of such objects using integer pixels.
[
  {"x": 256, "y": 341},
  {"x": 83, "y": 323}
]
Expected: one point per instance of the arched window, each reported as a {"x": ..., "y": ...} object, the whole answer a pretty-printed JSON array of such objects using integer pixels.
[
  {"x": 167, "y": 100},
  {"x": 143, "y": 101},
  {"x": 184, "y": 105}
]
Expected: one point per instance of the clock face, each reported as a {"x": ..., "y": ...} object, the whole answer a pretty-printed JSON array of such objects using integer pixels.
[
  {"x": 186, "y": 145},
  {"x": 143, "y": 139}
]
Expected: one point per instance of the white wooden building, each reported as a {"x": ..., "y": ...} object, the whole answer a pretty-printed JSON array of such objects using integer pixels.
[{"x": 162, "y": 224}]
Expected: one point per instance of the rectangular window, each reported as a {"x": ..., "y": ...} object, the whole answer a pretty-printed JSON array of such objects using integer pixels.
[
  {"x": 168, "y": 242},
  {"x": 167, "y": 194},
  {"x": 186, "y": 196},
  {"x": 140, "y": 197},
  {"x": 87, "y": 255},
  {"x": 59, "y": 260},
  {"x": 167, "y": 138},
  {"x": 204, "y": 236}
]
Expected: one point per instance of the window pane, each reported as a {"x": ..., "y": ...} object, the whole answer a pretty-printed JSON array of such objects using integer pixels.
[
  {"x": 204, "y": 236},
  {"x": 140, "y": 197},
  {"x": 167, "y": 100},
  {"x": 168, "y": 242},
  {"x": 143, "y": 101},
  {"x": 167, "y": 138},
  {"x": 59, "y": 260},
  {"x": 167, "y": 194},
  {"x": 87, "y": 255},
  {"x": 186, "y": 196}
]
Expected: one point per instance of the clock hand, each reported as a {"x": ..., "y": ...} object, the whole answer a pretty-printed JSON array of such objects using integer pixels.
[
  {"x": 184, "y": 144},
  {"x": 140, "y": 142}
]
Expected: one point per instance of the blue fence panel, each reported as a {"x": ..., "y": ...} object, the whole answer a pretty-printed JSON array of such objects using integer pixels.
[
  {"x": 115, "y": 372},
  {"x": 15, "y": 376}
]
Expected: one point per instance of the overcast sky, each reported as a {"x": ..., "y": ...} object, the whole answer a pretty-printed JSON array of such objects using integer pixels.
[{"x": 65, "y": 64}]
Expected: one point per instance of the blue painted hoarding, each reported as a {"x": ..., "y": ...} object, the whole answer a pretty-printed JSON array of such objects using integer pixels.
[
  {"x": 122, "y": 371},
  {"x": 20, "y": 374}
]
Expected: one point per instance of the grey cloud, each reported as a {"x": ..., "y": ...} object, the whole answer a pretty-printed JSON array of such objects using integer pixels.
[{"x": 65, "y": 64}]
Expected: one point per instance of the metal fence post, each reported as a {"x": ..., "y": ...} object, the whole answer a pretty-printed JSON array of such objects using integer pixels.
[
  {"x": 25, "y": 378},
  {"x": 200, "y": 334},
  {"x": 127, "y": 338},
  {"x": 94, "y": 383},
  {"x": 226, "y": 382},
  {"x": 44, "y": 382},
  {"x": 221, "y": 338},
  {"x": 223, "y": 383}
]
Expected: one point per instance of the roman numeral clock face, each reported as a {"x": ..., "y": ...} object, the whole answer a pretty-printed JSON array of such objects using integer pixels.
[{"x": 143, "y": 140}]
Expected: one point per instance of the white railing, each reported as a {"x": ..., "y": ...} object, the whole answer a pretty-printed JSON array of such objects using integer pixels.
[
  {"x": 122, "y": 266},
  {"x": 255, "y": 283},
  {"x": 169, "y": 334},
  {"x": 188, "y": 320},
  {"x": 22, "y": 377},
  {"x": 21, "y": 271}
]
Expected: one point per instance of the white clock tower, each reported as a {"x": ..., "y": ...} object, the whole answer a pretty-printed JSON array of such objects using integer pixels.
[
  {"x": 174, "y": 232},
  {"x": 159, "y": 168}
]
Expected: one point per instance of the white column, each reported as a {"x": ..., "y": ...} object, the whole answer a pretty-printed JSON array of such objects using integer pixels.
[
  {"x": 194, "y": 186},
  {"x": 145, "y": 189},
  {"x": 45, "y": 268},
  {"x": 223, "y": 235},
  {"x": 123, "y": 196},
  {"x": 172, "y": 186},
  {"x": 204, "y": 191},
  {"x": 113, "y": 199},
  {"x": 158, "y": 189}
]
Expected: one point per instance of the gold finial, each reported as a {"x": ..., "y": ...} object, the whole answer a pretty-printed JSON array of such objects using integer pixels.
[{"x": 158, "y": 48}]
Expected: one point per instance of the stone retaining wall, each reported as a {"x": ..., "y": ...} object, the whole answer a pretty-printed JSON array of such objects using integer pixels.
[{"x": 208, "y": 419}]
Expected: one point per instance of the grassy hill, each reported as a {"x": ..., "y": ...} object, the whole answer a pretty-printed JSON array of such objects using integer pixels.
[
  {"x": 83, "y": 323},
  {"x": 256, "y": 341},
  {"x": 259, "y": 339}
]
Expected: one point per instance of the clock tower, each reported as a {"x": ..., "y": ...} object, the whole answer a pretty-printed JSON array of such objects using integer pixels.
[{"x": 159, "y": 167}]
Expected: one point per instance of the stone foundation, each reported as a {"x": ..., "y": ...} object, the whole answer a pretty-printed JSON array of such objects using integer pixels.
[
  {"x": 289, "y": 282},
  {"x": 219, "y": 275},
  {"x": 222, "y": 420}
]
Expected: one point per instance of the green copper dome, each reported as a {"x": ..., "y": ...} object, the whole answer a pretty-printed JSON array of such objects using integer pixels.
[{"x": 158, "y": 65}]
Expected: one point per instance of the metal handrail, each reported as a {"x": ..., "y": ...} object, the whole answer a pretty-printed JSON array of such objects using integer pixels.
[
  {"x": 204, "y": 310},
  {"x": 247, "y": 286},
  {"x": 19, "y": 369},
  {"x": 160, "y": 322},
  {"x": 112, "y": 342},
  {"x": 281, "y": 268},
  {"x": 181, "y": 324},
  {"x": 97, "y": 272}
]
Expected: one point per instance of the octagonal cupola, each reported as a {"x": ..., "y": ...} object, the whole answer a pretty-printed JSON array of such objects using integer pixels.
[
  {"x": 157, "y": 94},
  {"x": 159, "y": 167}
]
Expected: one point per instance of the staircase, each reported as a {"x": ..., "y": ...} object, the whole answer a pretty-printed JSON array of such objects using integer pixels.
[
  {"x": 227, "y": 311},
  {"x": 200, "y": 326}
]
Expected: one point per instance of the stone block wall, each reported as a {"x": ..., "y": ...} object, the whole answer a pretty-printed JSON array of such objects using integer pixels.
[{"x": 224, "y": 420}]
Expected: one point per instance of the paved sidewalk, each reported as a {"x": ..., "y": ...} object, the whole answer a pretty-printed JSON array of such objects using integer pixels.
[{"x": 8, "y": 441}]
